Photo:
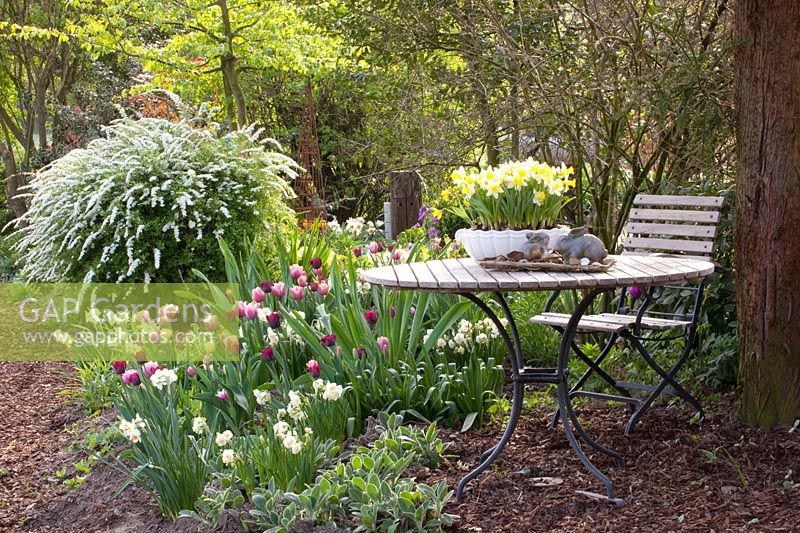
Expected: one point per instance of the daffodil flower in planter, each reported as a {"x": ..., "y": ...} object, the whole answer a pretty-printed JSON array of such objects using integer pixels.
[{"x": 504, "y": 204}]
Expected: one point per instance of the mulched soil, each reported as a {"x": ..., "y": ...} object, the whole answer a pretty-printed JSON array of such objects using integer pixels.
[{"x": 716, "y": 476}]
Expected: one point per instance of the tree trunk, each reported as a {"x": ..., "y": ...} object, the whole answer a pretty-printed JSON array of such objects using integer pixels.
[
  {"x": 230, "y": 76},
  {"x": 767, "y": 239},
  {"x": 13, "y": 182}
]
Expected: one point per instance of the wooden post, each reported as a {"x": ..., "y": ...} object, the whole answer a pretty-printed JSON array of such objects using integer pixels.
[{"x": 405, "y": 195}]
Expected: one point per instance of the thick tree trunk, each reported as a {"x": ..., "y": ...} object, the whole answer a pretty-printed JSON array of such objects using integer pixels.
[{"x": 767, "y": 238}]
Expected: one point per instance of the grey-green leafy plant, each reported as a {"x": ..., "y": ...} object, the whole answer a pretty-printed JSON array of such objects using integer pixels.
[{"x": 366, "y": 492}]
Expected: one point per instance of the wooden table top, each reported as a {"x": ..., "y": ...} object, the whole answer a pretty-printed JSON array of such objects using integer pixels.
[{"x": 465, "y": 275}]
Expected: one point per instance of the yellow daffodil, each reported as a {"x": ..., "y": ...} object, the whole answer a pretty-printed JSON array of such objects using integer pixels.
[
  {"x": 446, "y": 194},
  {"x": 437, "y": 213},
  {"x": 539, "y": 197}
]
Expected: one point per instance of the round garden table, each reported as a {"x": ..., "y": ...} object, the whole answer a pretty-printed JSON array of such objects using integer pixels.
[{"x": 467, "y": 278}]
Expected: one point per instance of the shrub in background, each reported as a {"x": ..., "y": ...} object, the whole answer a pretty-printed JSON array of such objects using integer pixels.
[{"x": 148, "y": 202}]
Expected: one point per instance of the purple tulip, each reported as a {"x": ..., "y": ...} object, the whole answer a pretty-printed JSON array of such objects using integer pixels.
[
  {"x": 257, "y": 294},
  {"x": 371, "y": 316},
  {"x": 328, "y": 340},
  {"x": 361, "y": 352},
  {"x": 222, "y": 394},
  {"x": 265, "y": 286},
  {"x": 295, "y": 271},
  {"x": 316, "y": 263},
  {"x": 150, "y": 367},
  {"x": 392, "y": 311},
  {"x": 279, "y": 289},
  {"x": 268, "y": 353},
  {"x": 131, "y": 377},
  {"x": 274, "y": 320},
  {"x": 383, "y": 344},
  {"x": 191, "y": 372},
  {"x": 296, "y": 292},
  {"x": 635, "y": 292},
  {"x": 357, "y": 252},
  {"x": 313, "y": 286},
  {"x": 313, "y": 368},
  {"x": 118, "y": 367}
]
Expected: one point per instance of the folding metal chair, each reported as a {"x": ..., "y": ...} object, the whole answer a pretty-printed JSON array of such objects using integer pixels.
[{"x": 667, "y": 225}]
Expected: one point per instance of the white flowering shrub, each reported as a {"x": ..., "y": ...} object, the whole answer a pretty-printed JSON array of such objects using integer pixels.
[{"x": 148, "y": 201}]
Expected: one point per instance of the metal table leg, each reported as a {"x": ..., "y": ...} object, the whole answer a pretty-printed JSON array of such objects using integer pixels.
[
  {"x": 521, "y": 377},
  {"x": 515, "y": 357},
  {"x": 568, "y": 418}
]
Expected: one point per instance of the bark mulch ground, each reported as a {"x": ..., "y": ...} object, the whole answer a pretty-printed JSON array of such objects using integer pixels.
[{"x": 715, "y": 476}]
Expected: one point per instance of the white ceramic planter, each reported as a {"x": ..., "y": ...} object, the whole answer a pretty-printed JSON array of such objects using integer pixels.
[{"x": 488, "y": 244}]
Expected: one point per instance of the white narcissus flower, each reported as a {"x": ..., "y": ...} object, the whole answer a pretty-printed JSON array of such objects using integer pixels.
[
  {"x": 280, "y": 428},
  {"x": 224, "y": 438},
  {"x": 333, "y": 391},
  {"x": 318, "y": 385},
  {"x": 199, "y": 425},
  {"x": 163, "y": 378},
  {"x": 460, "y": 338},
  {"x": 441, "y": 343},
  {"x": 228, "y": 457},
  {"x": 131, "y": 430},
  {"x": 262, "y": 397}
]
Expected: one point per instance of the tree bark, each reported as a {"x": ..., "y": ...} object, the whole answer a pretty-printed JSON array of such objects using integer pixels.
[{"x": 767, "y": 236}]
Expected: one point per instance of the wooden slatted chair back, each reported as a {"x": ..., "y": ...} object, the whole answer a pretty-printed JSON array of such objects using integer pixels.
[{"x": 684, "y": 225}]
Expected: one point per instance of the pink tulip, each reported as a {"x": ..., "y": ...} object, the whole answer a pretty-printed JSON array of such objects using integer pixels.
[
  {"x": 279, "y": 289},
  {"x": 240, "y": 308},
  {"x": 324, "y": 289},
  {"x": 222, "y": 394},
  {"x": 118, "y": 367},
  {"x": 313, "y": 368},
  {"x": 257, "y": 294},
  {"x": 295, "y": 271},
  {"x": 302, "y": 280},
  {"x": 396, "y": 255},
  {"x": 150, "y": 367},
  {"x": 357, "y": 252},
  {"x": 250, "y": 311},
  {"x": 317, "y": 272},
  {"x": 191, "y": 372},
  {"x": 296, "y": 292},
  {"x": 383, "y": 344},
  {"x": 374, "y": 247},
  {"x": 131, "y": 377}
]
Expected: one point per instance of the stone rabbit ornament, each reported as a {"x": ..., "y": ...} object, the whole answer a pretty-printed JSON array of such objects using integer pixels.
[{"x": 578, "y": 244}]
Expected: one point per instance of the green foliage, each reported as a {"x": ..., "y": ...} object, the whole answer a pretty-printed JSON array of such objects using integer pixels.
[
  {"x": 153, "y": 197},
  {"x": 172, "y": 462}
]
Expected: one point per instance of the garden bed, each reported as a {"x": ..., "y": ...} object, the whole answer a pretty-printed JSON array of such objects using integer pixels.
[{"x": 679, "y": 476}]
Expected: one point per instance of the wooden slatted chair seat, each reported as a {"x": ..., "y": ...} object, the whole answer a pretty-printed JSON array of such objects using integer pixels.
[
  {"x": 658, "y": 224},
  {"x": 608, "y": 322}
]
